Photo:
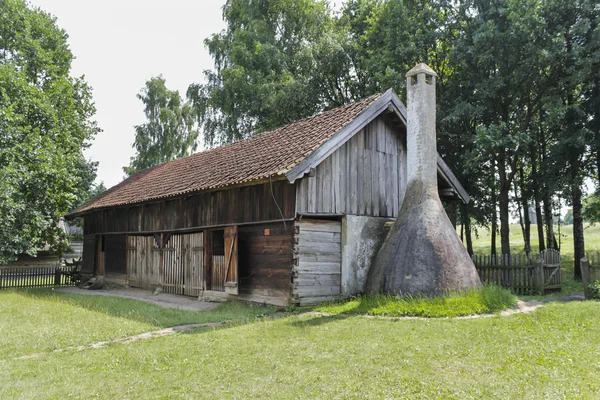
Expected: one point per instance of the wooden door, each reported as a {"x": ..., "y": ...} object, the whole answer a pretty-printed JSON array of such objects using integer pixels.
[
  {"x": 231, "y": 260},
  {"x": 173, "y": 258},
  {"x": 132, "y": 262},
  {"x": 194, "y": 264}
]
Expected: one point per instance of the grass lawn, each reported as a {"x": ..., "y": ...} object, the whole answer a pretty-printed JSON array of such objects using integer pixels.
[{"x": 551, "y": 353}]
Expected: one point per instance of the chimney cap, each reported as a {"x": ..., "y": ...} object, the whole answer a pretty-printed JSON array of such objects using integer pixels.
[{"x": 420, "y": 68}]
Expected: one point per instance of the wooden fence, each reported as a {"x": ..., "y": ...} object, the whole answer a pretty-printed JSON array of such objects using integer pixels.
[
  {"x": 522, "y": 274},
  {"x": 590, "y": 271},
  {"x": 35, "y": 276}
]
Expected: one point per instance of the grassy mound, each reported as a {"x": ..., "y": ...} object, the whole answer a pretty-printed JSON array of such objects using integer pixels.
[{"x": 488, "y": 299}]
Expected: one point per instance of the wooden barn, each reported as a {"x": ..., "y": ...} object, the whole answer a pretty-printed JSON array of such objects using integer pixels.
[{"x": 291, "y": 216}]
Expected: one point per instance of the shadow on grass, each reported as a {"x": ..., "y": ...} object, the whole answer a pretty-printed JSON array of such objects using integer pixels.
[{"x": 157, "y": 316}]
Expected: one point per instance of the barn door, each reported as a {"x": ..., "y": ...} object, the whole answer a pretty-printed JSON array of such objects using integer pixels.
[
  {"x": 132, "y": 245},
  {"x": 194, "y": 264},
  {"x": 231, "y": 260},
  {"x": 173, "y": 260}
]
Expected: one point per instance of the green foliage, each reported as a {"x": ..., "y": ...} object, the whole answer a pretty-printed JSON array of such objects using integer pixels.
[
  {"x": 276, "y": 62},
  {"x": 45, "y": 123},
  {"x": 488, "y": 299},
  {"x": 595, "y": 290},
  {"x": 170, "y": 131},
  {"x": 591, "y": 208}
]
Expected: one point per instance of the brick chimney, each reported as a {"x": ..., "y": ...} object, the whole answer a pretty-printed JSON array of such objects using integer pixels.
[{"x": 422, "y": 253}]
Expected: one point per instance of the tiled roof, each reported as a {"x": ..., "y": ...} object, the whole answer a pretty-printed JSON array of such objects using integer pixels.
[{"x": 264, "y": 155}]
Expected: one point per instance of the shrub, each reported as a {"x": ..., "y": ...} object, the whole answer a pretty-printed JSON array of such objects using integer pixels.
[{"x": 594, "y": 290}]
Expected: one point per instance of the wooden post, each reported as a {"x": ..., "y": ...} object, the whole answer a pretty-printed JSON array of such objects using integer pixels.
[
  {"x": 57, "y": 276},
  {"x": 540, "y": 276},
  {"x": 585, "y": 276}
]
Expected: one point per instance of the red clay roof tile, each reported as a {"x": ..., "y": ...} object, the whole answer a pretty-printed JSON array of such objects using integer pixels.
[{"x": 270, "y": 153}]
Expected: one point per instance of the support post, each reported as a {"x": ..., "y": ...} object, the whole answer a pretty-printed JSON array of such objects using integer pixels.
[
  {"x": 585, "y": 277},
  {"x": 540, "y": 275}
]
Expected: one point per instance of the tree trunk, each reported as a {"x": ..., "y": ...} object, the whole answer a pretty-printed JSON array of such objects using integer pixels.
[
  {"x": 518, "y": 200},
  {"x": 550, "y": 238},
  {"x": 494, "y": 220},
  {"x": 468, "y": 236},
  {"x": 503, "y": 205},
  {"x": 536, "y": 200},
  {"x": 578, "y": 242}
]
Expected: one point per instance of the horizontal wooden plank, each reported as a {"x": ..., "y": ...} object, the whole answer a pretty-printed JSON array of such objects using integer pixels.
[
  {"x": 315, "y": 291},
  {"x": 320, "y": 225},
  {"x": 318, "y": 248},
  {"x": 318, "y": 280},
  {"x": 312, "y": 236},
  {"x": 305, "y": 301},
  {"x": 311, "y": 258},
  {"x": 318, "y": 267}
]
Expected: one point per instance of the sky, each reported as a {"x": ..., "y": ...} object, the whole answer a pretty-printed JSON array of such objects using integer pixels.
[{"x": 118, "y": 46}]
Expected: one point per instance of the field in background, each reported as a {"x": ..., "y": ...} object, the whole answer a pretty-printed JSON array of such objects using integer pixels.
[{"x": 482, "y": 236}]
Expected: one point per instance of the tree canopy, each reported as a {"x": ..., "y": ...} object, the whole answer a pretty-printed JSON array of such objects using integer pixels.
[
  {"x": 170, "y": 131},
  {"x": 45, "y": 123}
]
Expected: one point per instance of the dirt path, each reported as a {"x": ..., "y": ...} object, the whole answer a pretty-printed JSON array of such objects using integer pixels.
[
  {"x": 129, "y": 339},
  {"x": 164, "y": 299}
]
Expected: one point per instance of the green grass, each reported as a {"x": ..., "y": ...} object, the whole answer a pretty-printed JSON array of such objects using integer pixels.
[
  {"x": 488, "y": 299},
  {"x": 37, "y": 320},
  {"x": 551, "y": 353}
]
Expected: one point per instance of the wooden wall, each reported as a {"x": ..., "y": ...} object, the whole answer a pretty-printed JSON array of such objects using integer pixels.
[
  {"x": 225, "y": 207},
  {"x": 317, "y": 275},
  {"x": 265, "y": 259},
  {"x": 365, "y": 176}
]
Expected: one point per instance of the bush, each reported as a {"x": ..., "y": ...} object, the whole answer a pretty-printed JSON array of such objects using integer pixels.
[{"x": 594, "y": 290}]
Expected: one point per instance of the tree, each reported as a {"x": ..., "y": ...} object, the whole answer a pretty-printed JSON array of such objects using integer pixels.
[
  {"x": 170, "y": 131},
  {"x": 276, "y": 62},
  {"x": 45, "y": 123}
]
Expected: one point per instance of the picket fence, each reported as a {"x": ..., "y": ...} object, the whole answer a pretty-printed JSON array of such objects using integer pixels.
[{"x": 522, "y": 274}]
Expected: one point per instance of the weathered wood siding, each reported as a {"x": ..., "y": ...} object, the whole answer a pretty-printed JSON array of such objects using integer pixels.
[
  {"x": 317, "y": 275},
  {"x": 143, "y": 261},
  {"x": 178, "y": 267},
  {"x": 225, "y": 207},
  {"x": 265, "y": 259},
  {"x": 365, "y": 176}
]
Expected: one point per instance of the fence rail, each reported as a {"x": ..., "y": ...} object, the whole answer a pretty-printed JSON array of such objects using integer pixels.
[
  {"x": 522, "y": 274},
  {"x": 35, "y": 276}
]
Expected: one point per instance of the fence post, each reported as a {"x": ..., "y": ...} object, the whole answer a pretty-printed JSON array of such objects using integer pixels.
[
  {"x": 57, "y": 275},
  {"x": 585, "y": 276},
  {"x": 540, "y": 275}
]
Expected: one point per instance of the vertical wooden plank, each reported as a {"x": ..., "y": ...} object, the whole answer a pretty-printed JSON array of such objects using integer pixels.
[
  {"x": 368, "y": 182},
  {"x": 353, "y": 176},
  {"x": 376, "y": 186},
  {"x": 382, "y": 189},
  {"x": 360, "y": 169},
  {"x": 395, "y": 186}
]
